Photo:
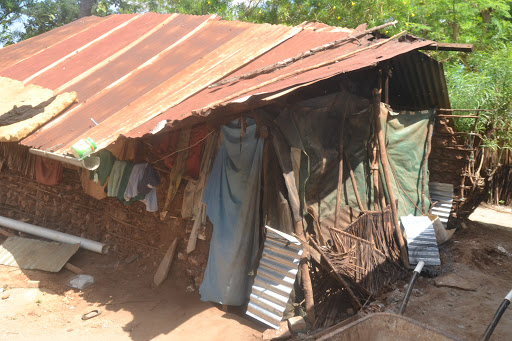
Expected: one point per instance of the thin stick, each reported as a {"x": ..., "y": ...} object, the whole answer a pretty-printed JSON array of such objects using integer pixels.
[
  {"x": 354, "y": 184},
  {"x": 302, "y": 55}
]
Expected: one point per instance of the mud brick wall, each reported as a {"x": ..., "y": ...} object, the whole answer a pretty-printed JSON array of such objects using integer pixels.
[{"x": 127, "y": 229}]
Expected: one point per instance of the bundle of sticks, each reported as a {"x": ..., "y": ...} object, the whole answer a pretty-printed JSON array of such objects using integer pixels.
[{"x": 364, "y": 256}]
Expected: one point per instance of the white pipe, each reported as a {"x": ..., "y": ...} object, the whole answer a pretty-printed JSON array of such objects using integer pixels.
[
  {"x": 419, "y": 267},
  {"x": 90, "y": 162},
  {"x": 53, "y": 235}
]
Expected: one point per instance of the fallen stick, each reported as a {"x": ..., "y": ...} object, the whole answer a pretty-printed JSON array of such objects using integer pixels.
[
  {"x": 5, "y": 233},
  {"x": 74, "y": 269}
]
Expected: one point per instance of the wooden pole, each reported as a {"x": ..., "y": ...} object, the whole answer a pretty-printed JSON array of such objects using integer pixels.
[
  {"x": 377, "y": 195},
  {"x": 430, "y": 131},
  {"x": 337, "y": 211},
  {"x": 285, "y": 161},
  {"x": 385, "y": 168},
  {"x": 354, "y": 184}
]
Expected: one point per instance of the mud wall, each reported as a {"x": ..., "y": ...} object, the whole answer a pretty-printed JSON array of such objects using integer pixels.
[{"x": 128, "y": 229}]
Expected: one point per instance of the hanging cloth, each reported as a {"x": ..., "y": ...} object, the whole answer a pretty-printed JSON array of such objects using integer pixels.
[
  {"x": 48, "y": 171},
  {"x": 232, "y": 196}
]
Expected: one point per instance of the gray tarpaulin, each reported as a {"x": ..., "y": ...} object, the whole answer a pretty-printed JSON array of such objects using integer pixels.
[{"x": 232, "y": 196}]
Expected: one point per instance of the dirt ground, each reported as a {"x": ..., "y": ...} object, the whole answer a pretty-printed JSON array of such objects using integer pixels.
[
  {"x": 133, "y": 310},
  {"x": 472, "y": 255}
]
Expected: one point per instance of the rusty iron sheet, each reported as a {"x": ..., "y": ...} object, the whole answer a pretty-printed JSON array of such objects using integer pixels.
[
  {"x": 13, "y": 54},
  {"x": 132, "y": 71},
  {"x": 210, "y": 53},
  {"x": 221, "y": 95},
  {"x": 421, "y": 80},
  {"x": 215, "y": 65},
  {"x": 37, "y": 62},
  {"x": 104, "y": 49},
  {"x": 36, "y": 254}
]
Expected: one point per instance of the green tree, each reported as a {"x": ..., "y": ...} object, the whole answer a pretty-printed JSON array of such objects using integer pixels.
[{"x": 45, "y": 15}]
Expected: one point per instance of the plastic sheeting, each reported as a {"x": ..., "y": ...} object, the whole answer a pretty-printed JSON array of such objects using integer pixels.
[
  {"x": 314, "y": 127},
  {"x": 232, "y": 196},
  {"x": 406, "y": 136}
]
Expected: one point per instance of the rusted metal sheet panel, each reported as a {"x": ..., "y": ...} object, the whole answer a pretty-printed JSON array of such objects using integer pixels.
[
  {"x": 86, "y": 59},
  {"x": 132, "y": 71},
  {"x": 16, "y": 53},
  {"x": 185, "y": 79},
  {"x": 286, "y": 78},
  {"x": 421, "y": 79},
  {"x": 36, "y": 254},
  {"x": 37, "y": 62},
  {"x": 275, "y": 278},
  {"x": 150, "y": 62}
]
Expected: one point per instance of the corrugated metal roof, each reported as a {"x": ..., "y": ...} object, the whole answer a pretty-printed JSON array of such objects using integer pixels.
[
  {"x": 274, "y": 281},
  {"x": 419, "y": 81},
  {"x": 36, "y": 254},
  {"x": 133, "y": 71}
]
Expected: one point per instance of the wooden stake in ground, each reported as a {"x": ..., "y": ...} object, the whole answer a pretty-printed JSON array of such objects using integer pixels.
[
  {"x": 165, "y": 264},
  {"x": 385, "y": 168}
]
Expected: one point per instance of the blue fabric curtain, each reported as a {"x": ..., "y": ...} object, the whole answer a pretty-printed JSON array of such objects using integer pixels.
[{"x": 232, "y": 196}]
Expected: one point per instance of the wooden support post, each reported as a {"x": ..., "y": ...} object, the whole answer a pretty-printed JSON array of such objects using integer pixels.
[
  {"x": 285, "y": 161},
  {"x": 374, "y": 168},
  {"x": 337, "y": 214},
  {"x": 354, "y": 184},
  {"x": 385, "y": 169},
  {"x": 430, "y": 131},
  {"x": 177, "y": 171}
]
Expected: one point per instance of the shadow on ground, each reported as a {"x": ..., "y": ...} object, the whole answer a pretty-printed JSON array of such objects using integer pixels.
[{"x": 131, "y": 307}]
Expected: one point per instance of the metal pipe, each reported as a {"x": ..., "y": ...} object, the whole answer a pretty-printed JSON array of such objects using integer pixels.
[
  {"x": 90, "y": 162},
  {"x": 497, "y": 316},
  {"x": 415, "y": 275},
  {"x": 42, "y": 232}
]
